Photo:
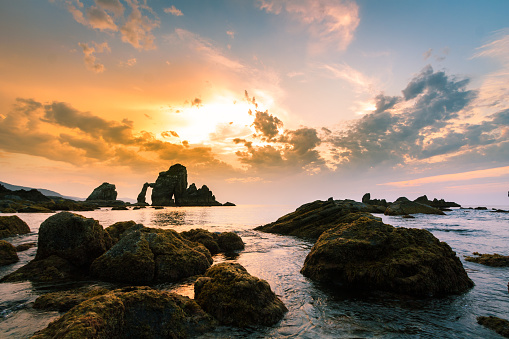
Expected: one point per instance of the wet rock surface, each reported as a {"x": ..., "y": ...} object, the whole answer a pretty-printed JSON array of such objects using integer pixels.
[
  {"x": 8, "y": 253},
  {"x": 12, "y": 225},
  {"x": 370, "y": 255},
  {"x": 236, "y": 298},
  {"x": 494, "y": 260}
]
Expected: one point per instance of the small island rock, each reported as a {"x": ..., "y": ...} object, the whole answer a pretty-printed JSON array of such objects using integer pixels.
[
  {"x": 236, "y": 298},
  {"x": 105, "y": 191},
  {"x": 403, "y": 206}
]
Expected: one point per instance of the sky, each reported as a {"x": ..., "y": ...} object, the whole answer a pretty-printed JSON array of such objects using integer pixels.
[{"x": 264, "y": 101}]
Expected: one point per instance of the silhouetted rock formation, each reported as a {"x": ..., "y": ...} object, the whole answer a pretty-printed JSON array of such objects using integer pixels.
[
  {"x": 312, "y": 219},
  {"x": 403, "y": 206},
  {"x": 366, "y": 198},
  {"x": 105, "y": 191},
  {"x": 236, "y": 298},
  {"x": 369, "y": 255},
  {"x": 142, "y": 196},
  {"x": 170, "y": 189},
  {"x": 436, "y": 203}
]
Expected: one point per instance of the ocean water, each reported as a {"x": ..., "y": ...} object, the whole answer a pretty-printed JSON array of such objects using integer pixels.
[{"x": 315, "y": 311}]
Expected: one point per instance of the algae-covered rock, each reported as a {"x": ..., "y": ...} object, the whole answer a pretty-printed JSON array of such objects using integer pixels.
[
  {"x": 403, "y": 206},
  {"x": 8, "y": 253},
  {"x": 494, "y": 260},
  {"x": 368, "y": 254},
  {"x": 131, "y": 313},
  {"x": 72, "y": 237},
  {"x": 215, "y": 242},
  {"x": 312, "y": 219},
  {"x": 144, "y": 255},
  {"x": 230, "y": 241},
  {"x": 117, "y": 229},
  {"x": 50, "y": 269},
  {"x": 234, "y": 297},
  {"x": 12, "y": 225},
  {"x": 25, "y": 246},
  {"x": 65, "y": 300},
  {"x": 501, "y": 326}
]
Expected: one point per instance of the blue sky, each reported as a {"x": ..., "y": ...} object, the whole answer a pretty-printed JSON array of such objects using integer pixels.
[{"x": 342, "y": 97}]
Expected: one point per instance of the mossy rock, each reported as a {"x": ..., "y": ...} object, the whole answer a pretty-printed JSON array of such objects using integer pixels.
[
  {"x": 131, "y": 313},
  {"x": 204, "y": 237},
  {"x": 370, "y": 255},
  {"x": 8, "y": 253},
  {"x": 494, "y": 260},
  {"x": 72, "y": 237},
  {"x": 501, "y": 326},
  {"x": 34, "y": 209},
  {"x": 230, "y": 241},
  {"x": 25, "y": 246},
  {"x": 146, "y": 255},
  {"x": 50, "y": 269},
  {"x": 117, "y": 229},
  {"x": 405, "y": 207},
  {"x": 310, "y": 220},
  {"x": 12, "y": 225},
  {"x": 63, "y": 301},
  {"x": 236, "y": 298}
]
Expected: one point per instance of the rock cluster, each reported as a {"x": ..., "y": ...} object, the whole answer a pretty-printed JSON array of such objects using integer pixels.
[
  {"x": 131, "y": 312},
  {"x": 236, "y": 298},
  {"x": 215, "y": 242},
  {"x": 403, "y": 206}
]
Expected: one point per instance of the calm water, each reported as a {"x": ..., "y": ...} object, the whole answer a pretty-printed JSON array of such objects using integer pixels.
[{"x": 314, "y": 311}]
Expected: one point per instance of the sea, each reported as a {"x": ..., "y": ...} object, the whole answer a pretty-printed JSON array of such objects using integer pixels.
[{"x": 315, "y": 310}]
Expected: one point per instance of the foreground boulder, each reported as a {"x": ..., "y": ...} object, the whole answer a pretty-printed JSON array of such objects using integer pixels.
[
  {"x": 63, "y": 301},
  {"x": 236, "y": 298},
  {"x": 50, "y": 269},
  {"x": 215, "y": 242},
  {"x": 131, "y": 313},
  {"x": 146, "y": 255},
  {"x": 368, "y": 254},
  {"x": 312, "y": 219},
  {"x": 8, "y": 253},
  {"x": 501, "y": 326},
  {"x": 72, "y": 237},
  {"x": 403, "y": 206},
  {"x": 12, "y": 225}
]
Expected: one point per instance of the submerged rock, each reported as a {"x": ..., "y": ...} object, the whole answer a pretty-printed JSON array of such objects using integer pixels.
[
  {"x": 494, "y": 260},
  {"x": 312, "y": 219},
  {"x": 501, "y": 326},
  {"x": 368, "y": 254},
  {"x": 72, "y": 237},
  {"x": 8, "y": 253},
  {"x": 63, "y": 301},
  {"x": 403, "y": 206},
  {"x": 145, "y": 255},
  {"x": 236, "y": 298},
  {"x": 12, "y": 225},
  {"x": 105, "y": 191},
  {"x": 131, "y": 313}
]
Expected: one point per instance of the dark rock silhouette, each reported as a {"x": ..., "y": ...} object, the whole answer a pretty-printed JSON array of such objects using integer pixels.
[
  {"x": 436, "y": 203},
  {"x": 369, "y": 255},
  {"x": 403, "y": 206},
  {"x": 236, "y": 298},
  {"x": 142, "y": 196},
  {"x": 366, "y": 198},
  {"x": 105, "y": 191},
  {"x": 170, "y": 189}
]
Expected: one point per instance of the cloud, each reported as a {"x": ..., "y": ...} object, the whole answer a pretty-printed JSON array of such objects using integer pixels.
[
  {"x": 129, "y": 63},
  {"x": 329, "y": 22},
  {"x": 427, "y": 54},
  {"x": 169, "y": 134},
  {"x": 114, "y": 6},
  {"x": 267, "y": 124},
  {"x": 137, "y": 30},
  {"x": 173, "y": 11},
  {"x": 349, "y": 74},
  {"x": 58, "y": 131},
  {"x": 206, "y": 49},
  {"x": 418, "y": 125},
  {"x": 90, "y": 58},
  {"x": 231, "y": 34},
  {"x": 197, "y": 102},
  {"x": 99, "y": 19}
]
